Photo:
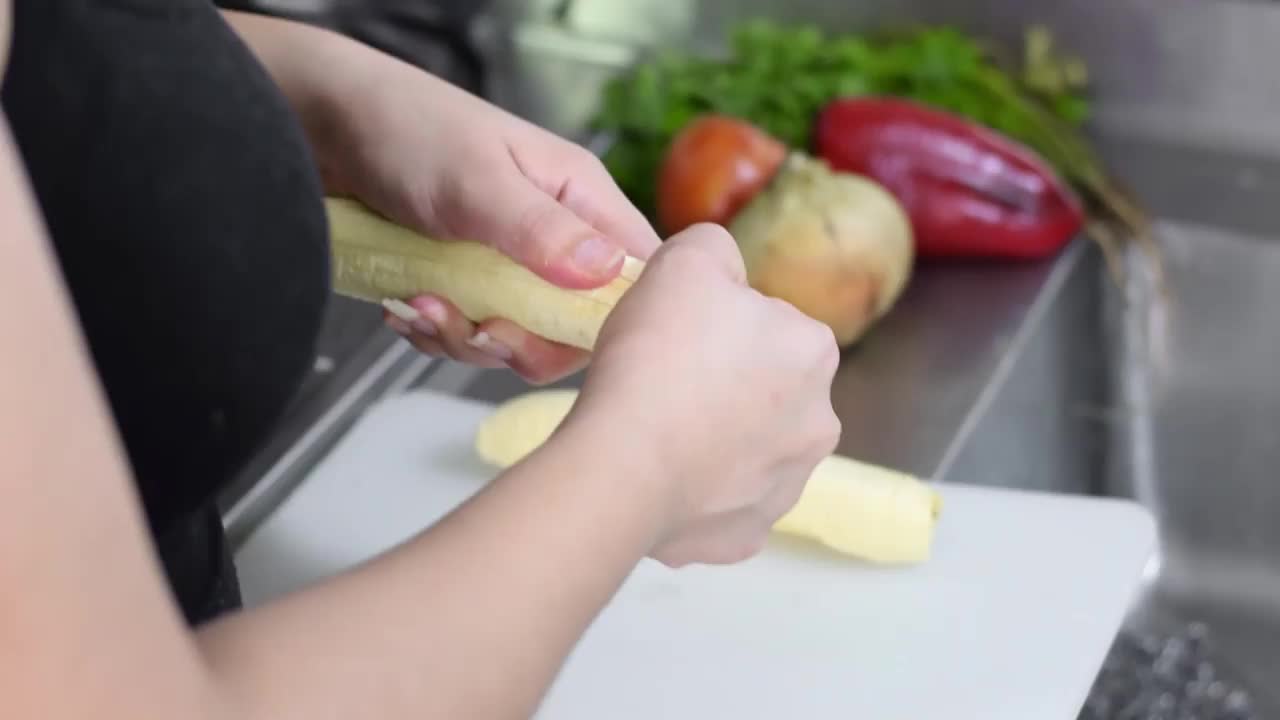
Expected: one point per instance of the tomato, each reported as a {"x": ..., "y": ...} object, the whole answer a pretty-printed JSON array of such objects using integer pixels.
[{"x": 713, "y": 167}]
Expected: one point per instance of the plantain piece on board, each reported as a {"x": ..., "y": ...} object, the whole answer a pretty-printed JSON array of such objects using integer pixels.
[{"x": 864, "y": 511}]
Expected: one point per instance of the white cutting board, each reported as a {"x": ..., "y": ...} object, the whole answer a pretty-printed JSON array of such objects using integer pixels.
[{"x": 1010, "y": 619}]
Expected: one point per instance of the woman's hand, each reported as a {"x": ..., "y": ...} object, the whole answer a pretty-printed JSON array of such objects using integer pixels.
[
  {"x": 435, "y": 158},
  {"x": 438, "y": 159},
  {"x": 723, "y": 393}
]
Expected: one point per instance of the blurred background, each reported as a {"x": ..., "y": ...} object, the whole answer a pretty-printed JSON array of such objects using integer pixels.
[{"x": 1051, "y": 374}]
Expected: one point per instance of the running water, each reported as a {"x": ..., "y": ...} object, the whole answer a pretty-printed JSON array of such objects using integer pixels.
[{"x": 1164, "y": 677}]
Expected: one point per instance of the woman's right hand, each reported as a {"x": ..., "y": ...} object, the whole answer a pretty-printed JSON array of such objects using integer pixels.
[{"x": 725, "y": 391}]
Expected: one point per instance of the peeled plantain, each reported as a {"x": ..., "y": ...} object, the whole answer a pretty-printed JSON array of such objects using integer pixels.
[
  {"x": 872, "y": 513},
  {"x": 374, "y": 259}
]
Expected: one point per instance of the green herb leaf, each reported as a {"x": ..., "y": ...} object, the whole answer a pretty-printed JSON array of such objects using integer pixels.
[{"x": 778, "y": 77}]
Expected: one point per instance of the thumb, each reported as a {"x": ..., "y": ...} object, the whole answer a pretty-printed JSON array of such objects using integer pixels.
[
  {"x": 713, "y": 243},
  {"x": 535, "y": 230}
]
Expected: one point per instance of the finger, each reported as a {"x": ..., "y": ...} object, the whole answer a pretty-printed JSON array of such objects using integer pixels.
[
  {"x": 576, "y": 177},
  {"x": 513, "y": 215},
  {"x": 537, "y": 360},
  {"x": 420, "y": 342},
  {"x": 426, "y": 345},
  {"x": 440, "y": 321},
  {"x": 398, "y": 326},
  {"x": 597, "y": 199},
  {"x": 715, "y": 243}
]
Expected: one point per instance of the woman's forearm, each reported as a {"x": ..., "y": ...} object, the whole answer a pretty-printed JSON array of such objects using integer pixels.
[{"x": 472, "y": 619}]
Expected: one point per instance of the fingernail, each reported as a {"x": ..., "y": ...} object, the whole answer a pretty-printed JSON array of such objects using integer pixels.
[
  {"x": 407, "y": 316},
  {"x": 399, "y": 326},
  {"x": 425, "y": 326},
  {"x": 400, "y": 309},
  {"x": 432, "y": 312},
  {"x": 485, "y": 343},
  {"x": 596, "y": 254}
]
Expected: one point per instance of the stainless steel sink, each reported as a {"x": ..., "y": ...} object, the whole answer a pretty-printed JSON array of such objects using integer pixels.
[
  {"x": 1175, "y": 403},
  {"x": 1198, "y": 440},
  {"x": 1050, "y": 376}
]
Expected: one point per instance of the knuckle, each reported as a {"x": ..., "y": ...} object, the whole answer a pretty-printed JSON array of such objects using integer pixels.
[
  {"x": 829, "y": 352},
  {"x": 712, "y": 241},
  {"x": 587, "y": 161},
  {"x": 812, "y": 338},
  {"x": 787, "y": 495},
  {"x": 831, "y": 431},
  {"x": 816, "y": 337},
  {"x": 786, "y": 316},
  {"x": 748, "y": 548},
  {"x": 826, "y": 337},
  {"x": 673, "y": 560},
  {"x": 821, "y": 335},
  {"x": 710, "y": 232},
  {"x": 783, "y": 309},
  {"x": 685, "y": 263},
  {"x": 799, "y": 320},
  {"x": 671, "y": 254}
]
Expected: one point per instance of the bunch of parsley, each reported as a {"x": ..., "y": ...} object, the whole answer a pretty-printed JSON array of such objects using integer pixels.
[{"x": 778, "y": 77}]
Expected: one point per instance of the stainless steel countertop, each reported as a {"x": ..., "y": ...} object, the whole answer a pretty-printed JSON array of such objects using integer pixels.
[
  {"x": 920, "y": 387},
  {"x": 1032, "y": 376},
  {"x": 908, "y": 393}
]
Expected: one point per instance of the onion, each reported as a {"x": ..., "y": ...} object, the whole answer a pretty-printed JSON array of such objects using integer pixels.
[{"x": 836, "y": 245}]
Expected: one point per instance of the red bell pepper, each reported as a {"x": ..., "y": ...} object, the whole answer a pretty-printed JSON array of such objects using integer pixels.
[{"x": 969, "y": 191}]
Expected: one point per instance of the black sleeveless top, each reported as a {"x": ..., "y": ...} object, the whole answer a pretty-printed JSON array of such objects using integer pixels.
[{"x": 186, "y": 213}]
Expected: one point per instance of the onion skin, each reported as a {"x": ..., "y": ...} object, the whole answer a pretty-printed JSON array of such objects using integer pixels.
[
  {"x": 837, "y": 246},
  {"x": 714, "y": 166}
]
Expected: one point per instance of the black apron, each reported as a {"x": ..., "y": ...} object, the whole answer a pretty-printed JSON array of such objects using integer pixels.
[{"x": 186, "y": 214}]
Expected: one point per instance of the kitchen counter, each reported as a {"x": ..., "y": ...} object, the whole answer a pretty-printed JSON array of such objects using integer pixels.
[
  {"x": 917, "y": 386},
  {"x": 911, "y": 394},
  {"x": 1043, "y": 376}
]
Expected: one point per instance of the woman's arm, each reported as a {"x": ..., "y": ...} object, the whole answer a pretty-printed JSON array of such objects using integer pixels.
[
  {"x": 86, "y": 628},
  {"x": 472, "y": 619},
  {"x": 436, "y": 158}
]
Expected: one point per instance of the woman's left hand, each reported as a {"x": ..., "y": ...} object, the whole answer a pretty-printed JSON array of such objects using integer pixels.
[{"x": 435, "y": 158}]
